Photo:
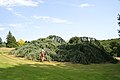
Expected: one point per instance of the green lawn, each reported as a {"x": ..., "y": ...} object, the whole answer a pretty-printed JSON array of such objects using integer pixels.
[{"x": 12, "y": 68}]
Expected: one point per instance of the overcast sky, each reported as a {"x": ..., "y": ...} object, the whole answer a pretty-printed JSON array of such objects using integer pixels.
[{"x": 33, "y": 19}]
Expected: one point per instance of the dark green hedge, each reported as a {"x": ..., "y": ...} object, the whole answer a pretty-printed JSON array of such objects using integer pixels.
[{"x": 84, "y": 53}]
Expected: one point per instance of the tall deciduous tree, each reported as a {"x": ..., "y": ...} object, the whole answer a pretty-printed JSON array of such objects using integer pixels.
[
  {"x": 11, "y": 41},
  {"x": 0, "y": 42},
  {"x": 21, "y": 42}
]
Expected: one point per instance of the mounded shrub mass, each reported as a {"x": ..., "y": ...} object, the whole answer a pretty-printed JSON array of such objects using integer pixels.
[{"x": 84, "y": 50}]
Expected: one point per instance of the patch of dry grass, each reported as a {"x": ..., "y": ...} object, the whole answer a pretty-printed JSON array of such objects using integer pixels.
[{"x": 5, "y": 50}]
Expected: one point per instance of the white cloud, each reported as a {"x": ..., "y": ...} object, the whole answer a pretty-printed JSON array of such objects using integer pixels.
[
  {"x": 38, "y": 27},
  {"x": 85, "y": 5},
  {"x": 41, "y": 1},
  {"x": 9, "y": 4},
  {"x": 51, "y": 19},
  {"x": 41, "y": 17},
  {"x": 10, "y": 9},
  {"x": 15, "y": 25},
  {"x": 26, "y": 3},
  {"x": 1, "y": 29},
  {"x": 16, "y": 13},
  {"x": 12, "y": 3},
  {"x": 76, "y": 5}
]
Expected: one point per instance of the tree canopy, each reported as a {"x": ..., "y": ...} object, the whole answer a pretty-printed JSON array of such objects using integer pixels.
[
  {"x": 119, "y": 24},
  {"x": 21, "y": 42},
  {"x": 0, "y": 42},
  {"x": 112, "y": 46},
  {"x": 11, "y": 41}
]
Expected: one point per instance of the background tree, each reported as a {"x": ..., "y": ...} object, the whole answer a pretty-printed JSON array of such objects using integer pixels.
[
  {"x": 119, "y": 24},
  {"x": 21, "y": 42},
  {"x": 112, "y": 46},
  {"x": 56, "y": 39},
  {"x": 115, "y": 46},
  {"x": 14, "y": 42},
  {"x": 4, "y": 44},
  {"x": 11, "y": 41},
  {"x": 0, "y": 42},
  {"x": 75, "y": 40}
]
